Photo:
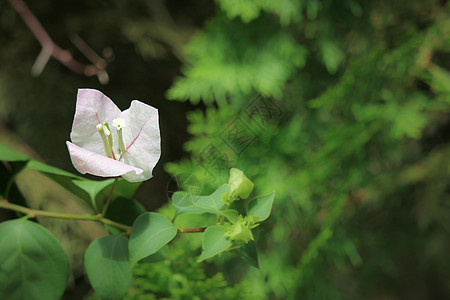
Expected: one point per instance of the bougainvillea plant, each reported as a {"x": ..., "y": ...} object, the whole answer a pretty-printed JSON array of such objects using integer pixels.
[{"x": 123, "y": 145}]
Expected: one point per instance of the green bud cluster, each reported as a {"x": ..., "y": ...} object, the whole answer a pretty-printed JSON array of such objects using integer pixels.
[
  {"x": 228, "y": 199},
  {"x": 240, "y": 231}
]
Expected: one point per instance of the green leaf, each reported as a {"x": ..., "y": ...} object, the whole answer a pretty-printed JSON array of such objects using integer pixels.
[
  {"x": 332, "y": 55},
  {"x": 99, "y": 190},
  {"x": 195, "y": 220},
  {"x": 167, "y": 210},
  {"x": 408, "y": 121},
  {"x": 94, "y": 188},
  {"x": 62, "y": 177},
  {"x": 44, "y": 168},
  {"x": 108, "y": 266},
  {"x": 214, "y": 242},
  {"x": 263, "y": 66},
  {"x": 8, "y": 187},
  {"x": 440, "y": 79},
  {"x": 65, "y": 179},
  {"x": 8, "y": 154},
  {"x": 124, "y": 211},
  {"x": 185, "y": 202},
  {"x": 150, "y": 232},
  {"x": 239, "y": 184},
  {"x": 261, "y": 206},
  {"x": 91, "y": 191},
  {"x": 248, "y": 253},
  {"x": 161, "y": 255},
  {"x": 231, "y": 215},
  {"x": 33, "y": 264}
]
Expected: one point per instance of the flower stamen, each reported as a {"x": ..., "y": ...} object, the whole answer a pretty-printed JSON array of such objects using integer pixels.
[
  {"x": 119, "y": 123},
  {"x": 104, "y": 131}
]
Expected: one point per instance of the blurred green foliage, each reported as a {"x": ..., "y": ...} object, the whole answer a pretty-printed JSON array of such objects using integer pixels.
[
  {"x": 174, "y": 273},
  {"x": 359, "y": 156}
]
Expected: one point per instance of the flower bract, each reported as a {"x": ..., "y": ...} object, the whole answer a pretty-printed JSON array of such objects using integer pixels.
[{"x": 137, "y": 128}]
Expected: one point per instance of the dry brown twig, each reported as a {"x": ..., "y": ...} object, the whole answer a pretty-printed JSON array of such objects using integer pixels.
[{"x": 51, "y": 49}]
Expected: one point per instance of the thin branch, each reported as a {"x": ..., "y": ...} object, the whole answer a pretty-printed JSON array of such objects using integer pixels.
[
  {"x": 108, "y": 200},
  {"x": 43, "y": 213},
  {"x": 191, "y": 230},
  {"x": 50, "y": 49},
  {"x": 4, "y": 204},
  {"x": 40, "y": 62},
  {"x": 88, "y": 52}
]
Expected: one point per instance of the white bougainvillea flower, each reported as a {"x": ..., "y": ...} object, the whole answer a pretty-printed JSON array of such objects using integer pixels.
[{"x": 130, "y": 148}]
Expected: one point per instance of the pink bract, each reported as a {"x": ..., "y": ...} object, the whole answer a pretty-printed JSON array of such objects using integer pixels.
[{"x": 141, "y": 136}]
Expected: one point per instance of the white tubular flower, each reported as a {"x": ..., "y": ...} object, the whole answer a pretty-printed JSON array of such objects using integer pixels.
[{"x": 119, "y": 123}]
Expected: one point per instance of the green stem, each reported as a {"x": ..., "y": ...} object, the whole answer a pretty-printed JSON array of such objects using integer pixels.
[
  {"x": 108, "y": 200},
  {"x": 43, "y": 213},
  {"x": 115, "y": 224}
]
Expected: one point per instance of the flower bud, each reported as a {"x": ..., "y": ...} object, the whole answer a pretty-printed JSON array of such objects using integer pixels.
[{"x": 239, "y": 184}]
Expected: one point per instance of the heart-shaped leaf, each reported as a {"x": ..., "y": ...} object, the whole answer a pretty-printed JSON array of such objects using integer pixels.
[
  {"x": 108, "y": 266},
  {"x": 261, "y": 206},
  {"x": 33, "y": 265},
  {"x": 150, "y": 232},
  {"x": 185, "y": 202},
  {"x": 248, "y": 253},
  {"x": 230, "y": 214},
  {"x": 214, "y": 242}
]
